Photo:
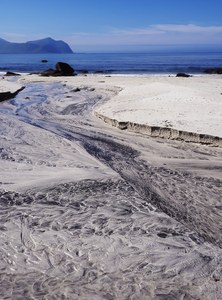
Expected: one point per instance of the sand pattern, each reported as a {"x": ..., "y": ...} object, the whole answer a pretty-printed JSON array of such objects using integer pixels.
[{"x": 91, "y": 212}]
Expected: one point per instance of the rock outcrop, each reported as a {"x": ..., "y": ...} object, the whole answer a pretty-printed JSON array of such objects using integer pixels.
[
  {"x": 64, "y": 69},
  {"x": 213, "y": 71},
  {"x": 61, "y": 69},
  {"x": 9, "y": 73},
  {"x": 9, "y": 95}
]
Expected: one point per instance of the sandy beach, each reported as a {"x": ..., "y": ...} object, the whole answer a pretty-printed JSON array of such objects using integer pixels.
[
  {"x": 191, "y": 105},
  {"x": 89, "y": 211}
]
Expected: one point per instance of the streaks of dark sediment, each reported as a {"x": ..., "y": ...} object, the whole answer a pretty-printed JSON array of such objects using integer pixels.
[
  {"x": 10, "y": 198},
  {"x": 180, "y": 195},
  {"x": 97, "y": 237},
  {"x": 189, "y": 199}
]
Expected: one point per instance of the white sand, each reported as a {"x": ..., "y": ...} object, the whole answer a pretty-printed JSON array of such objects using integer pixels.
[
  {"x": 8, "y": 85},
  {"x": 188, "y": 104}
]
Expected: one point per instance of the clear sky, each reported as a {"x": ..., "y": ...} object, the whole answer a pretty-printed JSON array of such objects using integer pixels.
[{"x": 103, "y": 25}]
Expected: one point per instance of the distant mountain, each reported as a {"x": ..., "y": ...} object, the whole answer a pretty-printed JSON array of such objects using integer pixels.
[{"x": 47, "y": 45}]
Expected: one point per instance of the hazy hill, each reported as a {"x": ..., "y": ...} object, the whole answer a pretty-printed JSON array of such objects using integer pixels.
[{"x": 47, "y": 45}]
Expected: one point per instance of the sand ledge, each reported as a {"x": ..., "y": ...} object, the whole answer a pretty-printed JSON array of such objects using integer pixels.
[{"x": 163, "y": 132}]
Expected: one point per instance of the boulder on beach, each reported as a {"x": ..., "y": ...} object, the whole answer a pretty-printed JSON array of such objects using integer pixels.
[
  {"x": 48, "y": 72},
  {"x": 64, "y": 69},
  {"x": 61, "y": 69},
  {"x": 213, "y": 71},
  {"x": 9, "y": 73},
  {"x": 183, "y": 75}
]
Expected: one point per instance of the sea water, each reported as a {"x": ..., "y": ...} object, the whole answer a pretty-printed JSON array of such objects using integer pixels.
[{"x": 151, "y": 62}]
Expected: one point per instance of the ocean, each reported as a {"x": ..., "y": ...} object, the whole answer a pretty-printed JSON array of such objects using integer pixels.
[{"x": 153, "y": 62}]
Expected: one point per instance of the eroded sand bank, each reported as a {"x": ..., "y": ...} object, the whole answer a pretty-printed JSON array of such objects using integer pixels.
[{"x": 188, "y": 109}]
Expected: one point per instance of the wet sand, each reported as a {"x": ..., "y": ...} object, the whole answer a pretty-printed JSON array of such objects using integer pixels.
[{"x": 92, "y": 212}]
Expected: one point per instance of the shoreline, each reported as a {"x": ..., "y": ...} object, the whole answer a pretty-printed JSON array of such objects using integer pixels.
[{"x": 116, "y": 74}]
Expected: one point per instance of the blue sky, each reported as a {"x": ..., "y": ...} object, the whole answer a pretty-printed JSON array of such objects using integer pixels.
[{"x": 102, "y": 25}]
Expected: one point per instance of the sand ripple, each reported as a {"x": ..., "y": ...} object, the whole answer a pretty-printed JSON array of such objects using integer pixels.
[{"x": 100, "y": 240}]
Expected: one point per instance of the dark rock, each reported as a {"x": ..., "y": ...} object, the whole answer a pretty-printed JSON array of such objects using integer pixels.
[
  {"x": 8, "y": 95},
  {"x": 64, "y": 69},
  {"x": 49, "y": 72},
  {"x": 11, "y": 74},
  {"x": 213, "y": 71},
  {"x": 44, "y": 60},
  {"x": 183, "y": 75},
  {"x": 76, "y": 90}
]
